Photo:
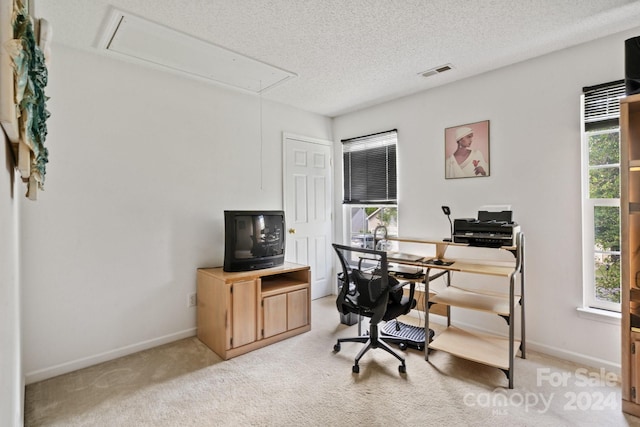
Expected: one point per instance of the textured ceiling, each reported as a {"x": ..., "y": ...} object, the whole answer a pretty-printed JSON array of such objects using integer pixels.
[{"x": 350, "y": 54}]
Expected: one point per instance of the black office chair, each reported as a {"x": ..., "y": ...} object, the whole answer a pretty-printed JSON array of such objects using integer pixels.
[{"x": 369, "y": 291}]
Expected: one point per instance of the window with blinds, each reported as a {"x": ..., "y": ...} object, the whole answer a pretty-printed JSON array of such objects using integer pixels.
[
  {"x": 602, "y": 105},
  {"x": 370, "y": 169},
  {"x": 601, "y": 195}
]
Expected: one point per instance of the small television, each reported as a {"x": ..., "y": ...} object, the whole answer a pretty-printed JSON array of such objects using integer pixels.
[{"x": 253, "y": 240}]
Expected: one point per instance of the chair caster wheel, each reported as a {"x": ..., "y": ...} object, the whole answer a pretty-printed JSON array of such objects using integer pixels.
[
  {"x": 402, "y": 346},
  {"x": 402, "y": 369},
  {"x": 355, "y": 369},
  {"x": 336, "y": 347}
]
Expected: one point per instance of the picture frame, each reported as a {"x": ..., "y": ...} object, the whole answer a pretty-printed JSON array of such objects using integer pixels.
[{"x": 466, "y": 150}]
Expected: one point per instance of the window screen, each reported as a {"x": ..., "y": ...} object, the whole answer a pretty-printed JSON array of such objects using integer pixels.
[{"x": 370, "y": 169}]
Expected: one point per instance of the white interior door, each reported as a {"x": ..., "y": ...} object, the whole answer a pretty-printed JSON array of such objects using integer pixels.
[{"x": 308, "y": 208}]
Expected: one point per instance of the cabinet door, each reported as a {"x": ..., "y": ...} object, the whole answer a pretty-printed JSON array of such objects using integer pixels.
[
  {"x": 275, "y": 315},
  {"x": 297, "y": 308},
  {"x": 243, "y": 313}
]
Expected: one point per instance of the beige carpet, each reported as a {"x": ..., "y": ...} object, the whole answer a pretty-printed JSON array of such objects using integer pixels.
[{"x": 301, "y": 381}]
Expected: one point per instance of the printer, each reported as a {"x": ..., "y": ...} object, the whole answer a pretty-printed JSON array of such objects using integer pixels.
[{"x": 491, "y": 229}]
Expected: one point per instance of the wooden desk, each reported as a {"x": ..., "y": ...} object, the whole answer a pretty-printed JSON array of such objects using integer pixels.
[{"x": 491, "y": 350}]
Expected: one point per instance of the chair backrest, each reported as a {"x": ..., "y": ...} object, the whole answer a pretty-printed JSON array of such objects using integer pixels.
[{"x": 365, "y": 287}]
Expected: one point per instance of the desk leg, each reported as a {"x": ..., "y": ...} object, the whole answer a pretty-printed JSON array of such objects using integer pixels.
[
  {"x": 523, "y": 341},
  {"x": 511, "y": 329},
  {"x": 426, "y": 315}
]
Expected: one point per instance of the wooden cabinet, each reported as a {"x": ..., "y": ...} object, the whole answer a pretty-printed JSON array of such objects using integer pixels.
[
  {"x": 630, "y": 251},
  {"x": 241, "y": 311}
]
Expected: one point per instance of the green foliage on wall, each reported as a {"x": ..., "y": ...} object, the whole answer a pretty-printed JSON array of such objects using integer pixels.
[{"x": 31, "y": 79}]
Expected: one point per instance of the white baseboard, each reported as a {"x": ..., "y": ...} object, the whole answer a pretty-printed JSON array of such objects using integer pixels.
[
  {"x": 571, "y": 356},
  {"x": 74, "y": 365}
]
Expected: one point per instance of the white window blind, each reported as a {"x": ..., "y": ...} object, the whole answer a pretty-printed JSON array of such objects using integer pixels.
[
  {"x": 370, "y": 169},
  {"x": 602, "y": 105}
]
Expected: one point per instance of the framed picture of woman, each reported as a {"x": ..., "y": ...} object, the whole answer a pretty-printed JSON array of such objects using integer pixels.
[{"x": 466, "y": 150}]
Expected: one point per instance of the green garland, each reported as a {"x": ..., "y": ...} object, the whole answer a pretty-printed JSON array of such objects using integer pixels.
[{"x": 31, "y": 79}]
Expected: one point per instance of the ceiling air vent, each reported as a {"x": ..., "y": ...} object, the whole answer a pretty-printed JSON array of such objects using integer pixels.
[
  {"x": 133, "y": 38},
  {"x": 436, "y": 70}
]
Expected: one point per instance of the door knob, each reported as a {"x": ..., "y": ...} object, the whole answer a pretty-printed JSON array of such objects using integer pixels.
[{"x": 292, "y": 231}]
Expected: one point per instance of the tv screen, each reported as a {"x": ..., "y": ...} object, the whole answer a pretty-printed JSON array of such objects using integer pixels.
[{"x": 253, "y": 240}]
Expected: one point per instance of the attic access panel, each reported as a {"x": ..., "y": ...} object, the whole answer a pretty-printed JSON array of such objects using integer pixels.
[{"x": 154, "y": 44}]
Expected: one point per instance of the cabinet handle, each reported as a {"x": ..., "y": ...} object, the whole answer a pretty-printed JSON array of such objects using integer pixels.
[{"x": 292, "y": 231}]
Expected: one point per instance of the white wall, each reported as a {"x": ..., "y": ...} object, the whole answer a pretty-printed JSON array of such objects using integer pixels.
[
  {"x": 142, "y": 165},
  {"x": 534, "y": 109},
  {"x": 11, "y": 377}
]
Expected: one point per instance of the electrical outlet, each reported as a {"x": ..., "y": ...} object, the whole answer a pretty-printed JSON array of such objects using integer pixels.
[{"x": 192, "y": 300}]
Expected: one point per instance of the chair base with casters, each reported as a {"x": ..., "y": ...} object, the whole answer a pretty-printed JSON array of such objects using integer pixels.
[{"x": 374, "y": 340}]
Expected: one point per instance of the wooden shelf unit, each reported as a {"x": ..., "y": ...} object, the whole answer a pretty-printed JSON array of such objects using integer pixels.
[
  {"x": 630, "y": 251},
  {"x": 240, "y": 312},
  {"x": 491, "y": 350}
]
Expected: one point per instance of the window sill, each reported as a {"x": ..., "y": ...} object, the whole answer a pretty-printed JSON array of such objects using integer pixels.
[{"x": 599, "y": 315}]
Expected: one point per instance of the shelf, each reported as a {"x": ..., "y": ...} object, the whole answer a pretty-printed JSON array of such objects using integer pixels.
[
  {"x": 458, "y": 297},
  {"x": 487, "y": 349},
  {"x": 280, "y": 286},
  {"x": 440, "y": 242},
  {"x": 492, "y": 269},
  {"x": 288, "y": 269},
  {"x": 496, "y": 268}
]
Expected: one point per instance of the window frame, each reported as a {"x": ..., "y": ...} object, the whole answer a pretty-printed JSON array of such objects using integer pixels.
[
  {"x": 374, "y": 141},
  {"x": 606, "y": 121}
]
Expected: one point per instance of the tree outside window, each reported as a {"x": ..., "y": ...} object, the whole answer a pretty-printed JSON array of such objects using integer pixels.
[{"x": 604, "y": 192}]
